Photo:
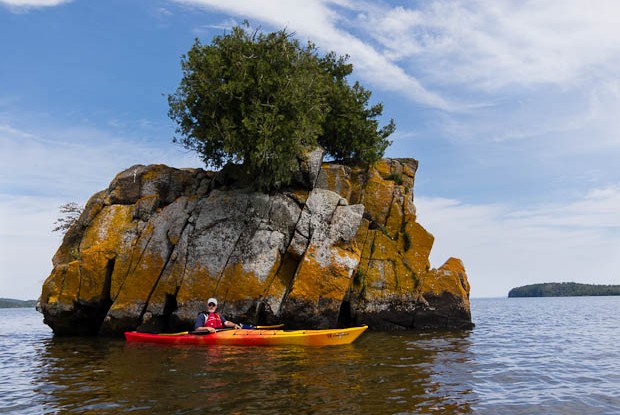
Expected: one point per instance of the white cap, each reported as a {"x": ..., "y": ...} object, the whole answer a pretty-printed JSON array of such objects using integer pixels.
[{"x": 212, "y": 300}]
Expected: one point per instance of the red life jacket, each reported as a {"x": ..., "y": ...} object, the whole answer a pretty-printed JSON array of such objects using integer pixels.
[{"x": 213, "y": 320}]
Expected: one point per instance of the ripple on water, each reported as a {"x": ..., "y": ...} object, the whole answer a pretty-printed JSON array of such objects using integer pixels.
[
  {"x": 548, "y": 355},
  {"x": 524, "y": 357}
]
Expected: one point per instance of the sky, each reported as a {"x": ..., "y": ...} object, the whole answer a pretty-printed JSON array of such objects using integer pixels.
[{"x": 511, "y": 107}]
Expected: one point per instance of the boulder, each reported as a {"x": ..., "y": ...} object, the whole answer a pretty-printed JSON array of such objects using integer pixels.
[{"x": 340, "y": 247}]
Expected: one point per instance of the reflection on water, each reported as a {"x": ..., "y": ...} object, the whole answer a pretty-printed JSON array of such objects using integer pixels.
[
  {"x": 525, "y": 356},
  {"x": 379, "y": 373}
]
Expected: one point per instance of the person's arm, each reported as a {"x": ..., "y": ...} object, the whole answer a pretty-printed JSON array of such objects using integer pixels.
[
  {"x": 227, "y": 323},
  {"x": 201, "y": 319}
]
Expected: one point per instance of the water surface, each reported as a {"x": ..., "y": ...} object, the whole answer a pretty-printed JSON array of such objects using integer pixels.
[{"x": 526, "y": 356}]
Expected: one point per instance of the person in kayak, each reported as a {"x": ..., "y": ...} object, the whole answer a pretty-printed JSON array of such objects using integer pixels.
[{"x": 211, "y": 320}]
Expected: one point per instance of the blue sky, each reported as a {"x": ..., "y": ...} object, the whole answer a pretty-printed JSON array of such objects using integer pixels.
[{"x": 511, "y": 107}]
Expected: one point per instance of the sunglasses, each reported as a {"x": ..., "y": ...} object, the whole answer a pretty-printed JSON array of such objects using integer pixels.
[{"x": 211, "y": 304}]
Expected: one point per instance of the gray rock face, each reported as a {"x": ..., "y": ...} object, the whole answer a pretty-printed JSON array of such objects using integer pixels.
[{"x": 149, "y": 250}]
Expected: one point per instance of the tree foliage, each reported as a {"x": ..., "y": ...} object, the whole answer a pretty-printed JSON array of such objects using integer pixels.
[
  {"x": 350, "y": 131},
  {"x": 564, "y": 289},
  {"x": 11, "y": 303},
  {"x": 263, "y": 99}
]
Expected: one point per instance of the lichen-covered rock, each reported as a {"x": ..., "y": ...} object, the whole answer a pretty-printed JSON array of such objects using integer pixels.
[
  {"x": 324, "y": 274},
  {"x": 340, "y": 247}
]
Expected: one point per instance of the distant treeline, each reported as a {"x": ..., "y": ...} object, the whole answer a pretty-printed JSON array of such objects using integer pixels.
[
  {"x": 10, "y": 303},
  {"x": 563, "y": 289}
]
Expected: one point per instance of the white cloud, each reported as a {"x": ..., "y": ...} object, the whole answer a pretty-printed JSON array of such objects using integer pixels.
[
  {"x": 598, "y": 209},
  {"x": 76, "y": 161},
  {"x": 504, "y": 70},
  {"x": 503, "y": 247},
  {"x": 322, "y": 22},
  {"x": 30, "y": 4},
  {"x": 494, "y": 44},
  {"x": 540, "y": 68},
  {"x": 488, "y": 44},
  {"x": 27, "y": 244},
  {"x": 44, "y": 168}
]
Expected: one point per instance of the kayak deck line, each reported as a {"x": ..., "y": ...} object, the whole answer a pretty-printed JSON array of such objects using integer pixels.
[{"x": 250, "y": 337}]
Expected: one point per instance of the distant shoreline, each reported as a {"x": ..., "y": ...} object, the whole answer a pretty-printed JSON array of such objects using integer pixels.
[
  {"x": 12, "y": 303},
  {"x": 564, "y": 289}
]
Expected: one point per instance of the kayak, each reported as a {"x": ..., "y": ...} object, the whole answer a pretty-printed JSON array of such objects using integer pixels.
[{"x": 249, "y": 337}]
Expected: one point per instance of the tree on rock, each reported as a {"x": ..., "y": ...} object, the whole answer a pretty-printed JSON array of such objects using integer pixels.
[
  {"x": 263, "y": 99},
  {"x": 350, "y": 131},
  {"x": 70, "y": 214}
]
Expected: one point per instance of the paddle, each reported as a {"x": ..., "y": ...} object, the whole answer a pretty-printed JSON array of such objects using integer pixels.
[
  {"x": 249, "y": 326},
  {"x": 243, "y": 326},
  {"x": 204, "y": 332}
]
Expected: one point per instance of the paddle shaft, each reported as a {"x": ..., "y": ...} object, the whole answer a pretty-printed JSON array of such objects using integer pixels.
[{"x": 200, "y": 332}]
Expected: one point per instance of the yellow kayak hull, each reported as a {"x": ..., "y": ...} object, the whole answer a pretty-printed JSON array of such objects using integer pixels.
[{"x": 243, "y": 337}]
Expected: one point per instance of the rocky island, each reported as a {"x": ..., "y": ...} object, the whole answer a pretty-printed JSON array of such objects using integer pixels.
[
  {"x": 13, "y": 303},
  {"x": 563, "y": 289},
  {"x": 340, "y": 246}
]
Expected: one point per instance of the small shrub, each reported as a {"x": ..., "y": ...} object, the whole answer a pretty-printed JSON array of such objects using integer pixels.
[
  {"x": 75, "y": 253},
  {"x": 383, "y": 229},
  {"x": 396, "y": 178},
  {"x": 70, "y": 213},
  {"x": 406, "y": 241}
]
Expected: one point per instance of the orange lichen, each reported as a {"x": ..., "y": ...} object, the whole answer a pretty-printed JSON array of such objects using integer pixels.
[
  {"x": 238, "y": 284},
  {"x": 395, "y": 257},
  {"x": 395, "y": 217},
  {"x": 364, "y": 238},
  {"x": 450, "y": 277},
  {"x": 277, "y": 286},
  {"x": 420, "y": 245},
  {"x": 384, "y": 168},
  {"x": 144, "y": 256},
  {"x": 336, "y": 178},
  {"x": 70, "y": 283},
  {"x": 334, "y": 279},
  {"x": 93, "y": 266},
  {"x": 198, "y": 284}
]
